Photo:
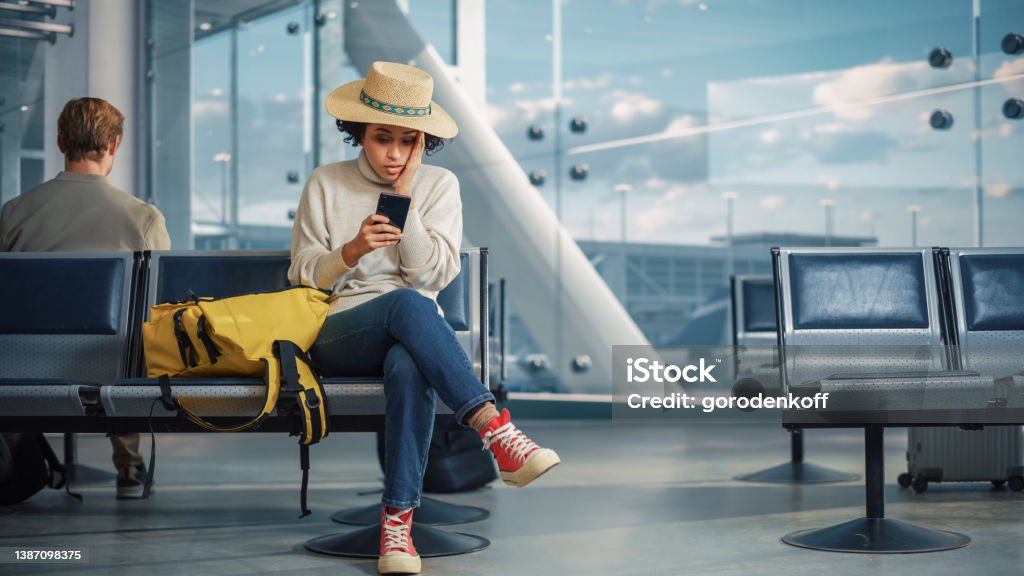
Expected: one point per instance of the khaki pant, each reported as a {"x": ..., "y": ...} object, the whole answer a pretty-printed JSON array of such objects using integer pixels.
[{"x": 126, "y": 454}]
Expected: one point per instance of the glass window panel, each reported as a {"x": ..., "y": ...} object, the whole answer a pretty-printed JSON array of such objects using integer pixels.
[
  {"x": 1000, "y": 140},
  {"x": 211, "y": 117},
  {"x": 272, "y": 91},
  {"x": 435, "y": 22}
]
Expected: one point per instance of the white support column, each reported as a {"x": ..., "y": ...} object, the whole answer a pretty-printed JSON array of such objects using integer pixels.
[
  {"x": 113, "y": 54},
  {"x": 100, "y": 60}
]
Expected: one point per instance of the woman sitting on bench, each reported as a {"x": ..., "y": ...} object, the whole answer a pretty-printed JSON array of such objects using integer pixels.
[{"x": 384, "y": 316}]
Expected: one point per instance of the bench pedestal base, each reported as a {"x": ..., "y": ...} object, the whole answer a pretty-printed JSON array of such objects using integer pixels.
[
  {"x": 365, "y": 542},
  {"x": 876, "y": 536}
]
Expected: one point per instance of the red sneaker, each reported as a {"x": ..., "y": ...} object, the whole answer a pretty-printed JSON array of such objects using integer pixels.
[
  {"x": 397, "y": 554},
  {"x": 520, "y": 461}
]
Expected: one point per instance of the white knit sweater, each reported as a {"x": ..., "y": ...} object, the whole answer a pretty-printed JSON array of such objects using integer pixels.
[{"x": 338, "y": 197}]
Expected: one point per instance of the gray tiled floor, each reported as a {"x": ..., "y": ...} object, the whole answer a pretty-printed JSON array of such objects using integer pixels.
[{"x": 628, "y": 500}]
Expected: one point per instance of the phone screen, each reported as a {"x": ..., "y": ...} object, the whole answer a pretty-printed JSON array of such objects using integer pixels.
[{"x": 395, "y": 207}]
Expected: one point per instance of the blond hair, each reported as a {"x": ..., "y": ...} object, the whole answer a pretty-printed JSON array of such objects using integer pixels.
[{"x": 87, "y": 127}]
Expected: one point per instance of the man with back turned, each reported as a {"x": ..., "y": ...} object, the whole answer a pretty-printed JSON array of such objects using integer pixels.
[{"x": 79, "y": 210}]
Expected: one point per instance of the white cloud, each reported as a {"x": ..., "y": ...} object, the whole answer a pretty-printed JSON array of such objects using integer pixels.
[
  {"x": 680, "y": 124},
  {"x": 1000, "y": 190},
  {"x": 1009, "y": 69},
  {"x": 674, "y": 191},
  {"x": 209, "y": 107},
  {"x": 866, "y": 82},
  {"x": 516, "y": 87},
  {"x": 770, "y": 136},
  {"x": 655, "y": 183},
  {"x": 520, "y": 112},
  {"x": 832, "y": 128},
  {"x": 653, "y": 220},
  {"x": 632, "y": 106},
  {"x": 673, "y": 216},
  {"x": 830, "y": 182},
  {"x": 772, "y": 203},
  {"x": 596, "y": 83}
]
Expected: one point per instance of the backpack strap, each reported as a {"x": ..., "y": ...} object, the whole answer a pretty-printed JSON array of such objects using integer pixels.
[
  {"x": 271, "y": 378},
  {"x": 189, "y": 357},
  {"x": 54, "y": 467},
  {"x": 310, "y": 400},
  {"x": 304, "y": 464},
  {"x": 310, "y": 406}
]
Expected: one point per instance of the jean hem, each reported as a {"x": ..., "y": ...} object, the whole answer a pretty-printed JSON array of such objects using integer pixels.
[
  {"x": 460, "y": 414},
  {"x": 401, "y": 504}
]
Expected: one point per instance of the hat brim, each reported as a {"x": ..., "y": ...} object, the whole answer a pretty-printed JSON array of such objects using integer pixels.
[{"x": 343, "y": 103}]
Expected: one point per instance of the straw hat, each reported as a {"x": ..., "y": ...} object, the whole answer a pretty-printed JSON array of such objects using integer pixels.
[{"x": 393, "y": 94}]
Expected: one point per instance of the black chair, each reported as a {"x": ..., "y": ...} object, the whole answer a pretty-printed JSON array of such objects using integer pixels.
[
  {"x": 755, "y": 335},
  {"x": 170, "y": 276},
  {"x": 63, "y": 334},
  {"x": 865, "y": 325},
  {"x": 980, "y": 291}
]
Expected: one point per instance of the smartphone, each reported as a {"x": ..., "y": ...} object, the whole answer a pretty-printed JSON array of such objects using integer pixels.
[{"x": 395, "y": 207}]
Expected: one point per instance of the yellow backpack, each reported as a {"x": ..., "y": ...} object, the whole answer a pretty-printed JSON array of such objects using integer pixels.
[{"x": 263, "y": 335}]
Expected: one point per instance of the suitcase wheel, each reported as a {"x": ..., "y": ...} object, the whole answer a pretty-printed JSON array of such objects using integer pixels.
[
  {"x": 920, "y": 485},
  {"x": 904, "y": 480},
  {"x": 1016, "y": 483}
]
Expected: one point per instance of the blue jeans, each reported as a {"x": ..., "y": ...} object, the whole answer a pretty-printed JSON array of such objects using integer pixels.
[{"x": 401, "y": 335}]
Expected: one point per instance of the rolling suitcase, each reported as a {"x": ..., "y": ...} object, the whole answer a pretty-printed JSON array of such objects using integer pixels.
[{"x": 948, "y": 454}]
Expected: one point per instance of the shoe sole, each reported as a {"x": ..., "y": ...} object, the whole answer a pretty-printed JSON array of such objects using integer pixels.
[
  {"x": 132, "y": 493},
  {"x": 535, "y": 466},
  {"x": 395, "y": 564}
]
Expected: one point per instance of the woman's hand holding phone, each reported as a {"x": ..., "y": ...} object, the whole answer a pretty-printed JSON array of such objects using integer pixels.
[
  {"x": 403, "y": 184},
  {"x": 374, "y": 233}
]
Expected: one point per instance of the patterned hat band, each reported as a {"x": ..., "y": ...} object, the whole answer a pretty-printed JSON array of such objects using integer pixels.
[{"x": 393, "y": 108}]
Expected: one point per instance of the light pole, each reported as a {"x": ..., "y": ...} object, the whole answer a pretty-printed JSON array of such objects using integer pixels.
[
  {"x": 913, "y": 209},
  {"x": 224, "y": 158},
  {"x": 828, "y": 203},
  {"x": 623, "y": 189},
  {"x": 730, "y": 198}
]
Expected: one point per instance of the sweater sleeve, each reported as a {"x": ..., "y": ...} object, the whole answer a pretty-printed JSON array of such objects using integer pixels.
[
  {"x": 429, "y": 250},
  {"x": 155, "y": 235},
  {"x": 313, "y": 262}
]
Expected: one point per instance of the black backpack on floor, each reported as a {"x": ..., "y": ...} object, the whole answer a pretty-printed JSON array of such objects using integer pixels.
[
  {"x": 27, "y": 464},
  {"x": 457, "y": 461}
]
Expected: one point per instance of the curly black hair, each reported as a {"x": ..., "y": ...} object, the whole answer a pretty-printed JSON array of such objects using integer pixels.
[{"x": 355, "y": 131}]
